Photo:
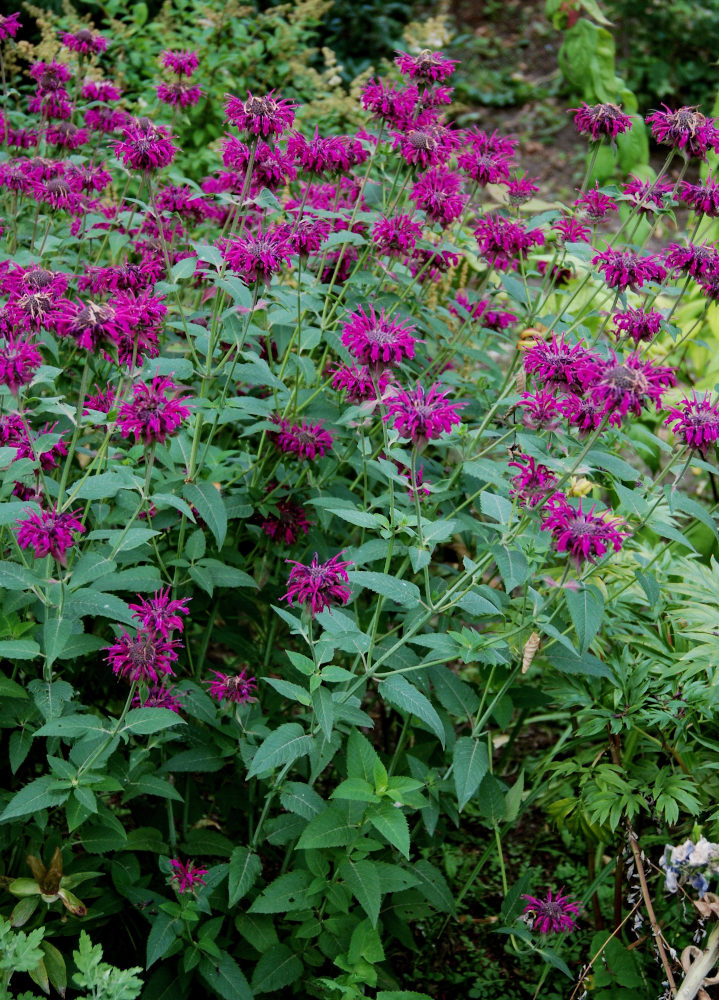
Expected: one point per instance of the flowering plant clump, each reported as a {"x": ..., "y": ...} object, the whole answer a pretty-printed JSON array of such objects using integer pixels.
[{"x": 357, "y": 515}]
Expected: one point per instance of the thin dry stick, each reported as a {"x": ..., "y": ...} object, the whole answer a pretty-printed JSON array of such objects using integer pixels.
[
  {"x": 648, "y": 905},
  {"x": 585, "y": 972}
]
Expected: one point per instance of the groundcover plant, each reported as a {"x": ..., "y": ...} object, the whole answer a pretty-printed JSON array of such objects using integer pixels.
[{"x": 325, "y": 483}]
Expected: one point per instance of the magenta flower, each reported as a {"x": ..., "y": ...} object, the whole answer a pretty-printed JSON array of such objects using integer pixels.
[
  {"x": 87, "y": 179},
  {"x": 159, "y": 696},
  {"x": 686, "y": 129},
  {"x": 696, "y": 421},
  {"x": 145, "y": 146},
  {"x": 503, "y": 242},
  {"x": 584, "y": 535},
  {"x": 390, "y": 102},
  {"x": 102, "y": 401},
  {"x": 624, "y": 269},
  {"x": 65, "y": 135},
  {"x": 542, "y": 410},
  {"x": 49, "y": 532},
  {"x": 318, "y": 155},
  {"x": 288, "y": 523},
  {"x": 84, "y": 41},
  {"x": 426, "y": 263},
  {"x": 703, "y": 197},
  {"x": 51, "y": 105},
  {"x": 155, "y": 413},
  {"x": 582, "y": 413},
  {"x": 596, "y": 205},
  {"x": 438, "y": 193},
  {"x": 90, "y": 323},
  {"x": 236, "y": 688},
  {"x": 50, "y": 75},
  {"x": 357, "y": 383},
  {"x": 492, "y": 319},
  {"x": 532, "y": 483},
  {"x": 100, "y": 90},
  {"x": 483, "y": 142},
  {"x": 256, "y": 258},
  {"x": 422, "y": 415},
  {"x": 650, "y": 195},
  {"x": 306, "y": 441},
  {"x": 307, "y": 235},
  {"x": 263, "y": 116},
  {"x": 179, "y": 94},
  {"x": 599, "y": 120},
  {"x": 396, "y": 236},
  {"x": 552, "y": 915},
  {"x": 9, "y": 25},
  {"x": 427, "y": 67},
  {"x": 426, "y": 145},
  {"x": 142, "y": 658},
  {"x": 521, "y": 189},
  {"x": 106, "y": 120},
  {"x": 319, "y": 585},
  {"x": 572, "y": 231},
  {"x": 567, "y": 367},
  {"x": 19, "y": 360},
  {"x": 160, "y": 614},
  {"x": 627, "y": 386},
  {"x": 484, "y": 166},
  {"x": 698, "y": 260},
  {"x": 638, "y": 324},
  {"x": 376, "y": 340},
  {"x": 187, "y": 876},
  {"x": 183, "y": 62}
]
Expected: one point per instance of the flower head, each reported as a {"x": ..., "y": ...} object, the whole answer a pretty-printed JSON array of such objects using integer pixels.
[
  {"x": 568, "y": 367},
  {"x": 685, "y": 129},
  {"x": 159, "y": 696},
  {"x": 438, "y": 193},
  {"x": 484, "y": 166},
  {"x": 257, "y": 257},
  {"x": 49, "y": 532},
  {"x": 503, "y": 242},
  {"x": 428, "y": 66},
  {"x": 584, "y": 535},
  {"x": 187, "y": 875},
  {"x": 376, "y": 340},
  {"x": 596, "y": 205},
  {"x": 145, "y": 146},
  {"x": 572, "y": 231},
  {"x": 19, "y": 360},
  {"x": 306, "y": 440},
  {"x": 288, "y": 523},
  {"x": 599, "y": 120},
  {"x": 9, "y": 25},
  {"x": 396, "y": 236},
  {"x": 698, "y": 260},
  {"x": 390, "y": 102},
  {"x": 628, "y": 385},
  {"x": 237, "y": 688},
  {"x": 551, "y": 915},
  {"x": 647, "y": 196},
  {"x": 703, "y": 197},
  {"x": 696, "y": 421},
  {"x": 421, "y": 415},
  {"x": 624, "y": 269},
  {"x": 425, "y": 145},
  {"x": 357, "y": 383},
  {"x": 268, "y": 115},
  {"x": 532, "y": 483},
  {"x": 541, "y": 410},
  {"x": 143, "y": 658},
  {"x": 155, "y": 412},
  {"x": 84, "y": 41},
  {"x": 179, "y": 94},
  {"x": 319, "y": 585},
  {"x": 481, "y": 311},
  {"x": 160, "y": 614},
  {"x": 183, "y": 62},
  {"x": 521, "y": 189},
  {"x": 637, "y": 323}
]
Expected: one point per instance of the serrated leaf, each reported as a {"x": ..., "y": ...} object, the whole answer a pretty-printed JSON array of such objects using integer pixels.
[
  {"x": 245, "y": 866},
  {"x": 283, "y": 746},
  {"x": 330, "y": 829},
  {"x": 145, "y": 721},
  {"x": 324, "y": 710},
  {"x": 285, "y": 894},
  {"x": 165, "y": 929},
  {"x": 401, "y": 591},
  {"x": 42, "y": 793},
  {"x": 19, "y": 649},
  {"x": 277, "y": 968},
  {"x": 586, "y": 609},
  {"x": 392, "y": 824},
  {"x": 405, "y": 697},
  {"x": 211, "y": 507},
  {"x": 433, "y": 886},
  {"x": 470, "y": 762},
  {"x": 363, "y": 881}
]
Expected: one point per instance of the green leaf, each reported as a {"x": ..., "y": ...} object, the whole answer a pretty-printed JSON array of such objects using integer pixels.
[
  {"x": 330, "y": 829},
  {"x": 88, "y": 601},
  {"x": 211, "y": 507},
  {"x": 285, "y": 894},
  {"x": 362, "y": 758},
  {"x": 569, "y": 662},
  {"x": 76, "y": 724},
  {"x": 184, "y": 268},
  {"x": 200, "y": 758},
  {"x": 14, "y": 577},
  {"x": 301, "y": 799},
  {"x": 513, "y": 566},
  {"x": 165, "y": 929},
  {"x": 9, "y": 689},
  {"x": 145, "y": 721},
  {"x": 363, "y": 882},
  {"x": 18, "y": 649},
  {"x": 471, "y": 763},
  {"x": 405, "y": 697},
  {"x": 454, "y": 694},
  {"x": 401, "y": 995},
  {"x": 56, "y": 633},
  {"x": 401, "y": 591},
  {"x": 277, "y": 968},
  {"x": 244, "y": 870},
  {"x": 355, "y": 790},
  {"x": 106, "y": 485},
  {"x": 283, "y": 746},
  {"x": 324, "y": 710},
  {"x": 586, "y": 608},
  {"x": 224, "y": 976},
  {"x": 392, "y": 824},
  {"x": 433, "y": 886},
  {"x": 42, "y": 793}
]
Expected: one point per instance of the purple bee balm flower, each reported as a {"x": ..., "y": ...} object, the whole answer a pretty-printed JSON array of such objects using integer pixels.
[
  {"x": 89, "y": 323},
  {"x": 183, "y": 62},
  {"x": 492, "y": 319},
  {"x": 155, "y": 413},
  {"x": 532, "y": 483},
  {"x": 51, "y": 105},
  {"x": 143, "y": 658},
  {"x": 624, "y": 269},
  {"x": 483, "y": 142},
  {"x": 541, "y": 410},
  {"x": 106, "y": 120},
  {"x": 273, "y": 168},
  {"x": 145, "y": 146},
  {"x": 584, "y": 535},
  {"x": 160, "y": 614},
  {"x": 396, "y": 236},
  {"x": 263, "y": 116},
  {"x": 144, "y": 315},
  {"x": 484, "y": 166},
  {"x": 427, "y": 67},
  {"x": 438, "y": 193},
  {"x": 317, "y": 155},
  {"x": 319, "y": 585},
  {"x": 236, "y": 688},
  {"x": 686, "y": 129},
  {"x": 187, "y": 876},
  {"x": 521, "y": 189},
  {"x": 307, "y": 235},
  {"x": 572, "y": 231},
  {"x": 87, "y": 179},
  {"x": 159, "y": 696},
  {"x": 100, "y": 90},
  {"x": 703, "y": 197},
  {"x": 648, "y": 196},
  {"x": 429, "y": 264},
  {"x": 629, "y": 385},
  {"x": 376, "y": 340},
  {"x": 696, "y": 421},
  {"x": 426, "y": 145},
  {"x": 84, "y": 41},
  {"x": 179, "y": 94},
  {"x": 596, "y": 205},
  {"x": 65, "y": 135},
  {"x": 306, "y": 441},
  {"x": 582, "y": 413},
  {"x": 257, "y": 257},
  {"x": 552, "y": 915},
  {"x": 50, "y": 75},
  {"x": 562, "y": 366},
  {"x": 49, "y": 532},
  {"x": 600, "y": 120},
  {"x": 357, "y": 383},
  {"x": 288, "y": 523},
  {"x": 638, "y": 324},
  {"x": 9, "y": 26},
  {"x": 503, "y": 242},
  {"x": 698, "y": 260},
  {"x": 103, "y": 400},
  {"x": 390, "y": 102},
  {"x": 19, "y": 360},
  {"x": 421, "y": 415}
]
